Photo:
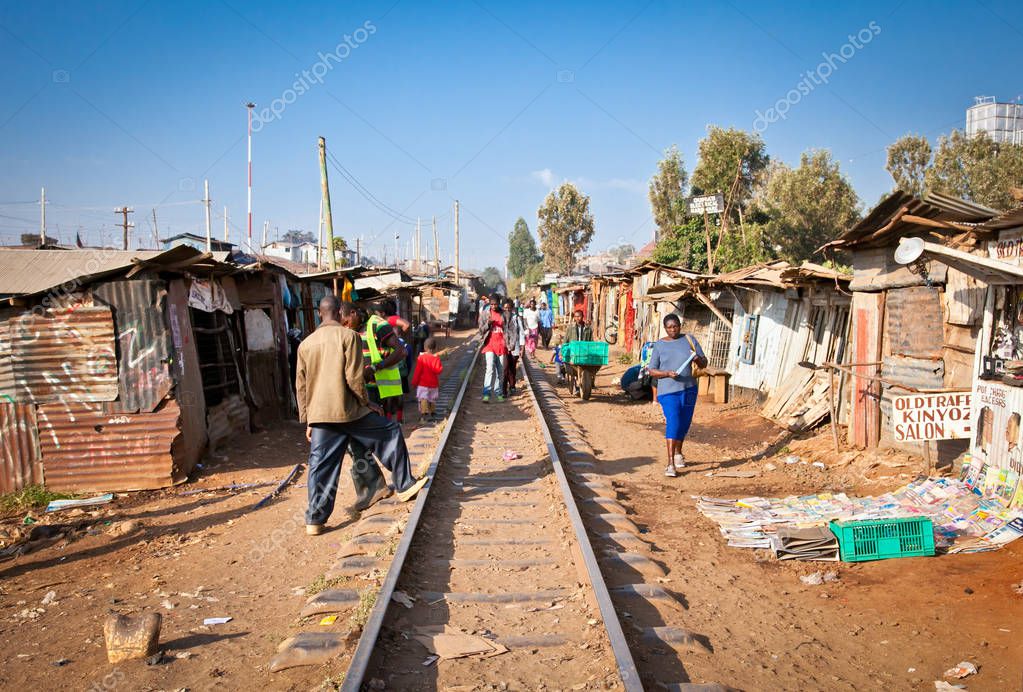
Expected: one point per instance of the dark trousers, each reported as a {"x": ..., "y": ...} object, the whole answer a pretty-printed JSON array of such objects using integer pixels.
[
  {"x": 376, "y": 434},
  {"x": 511, "y": 362},
  {"x": 545, "y": 336}
]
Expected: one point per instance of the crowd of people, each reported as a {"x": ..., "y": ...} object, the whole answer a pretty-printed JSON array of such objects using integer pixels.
[{"x": 352, "y": 375}]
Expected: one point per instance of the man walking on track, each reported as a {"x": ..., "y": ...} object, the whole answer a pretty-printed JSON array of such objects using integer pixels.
[
  {"x": 334, "y": 405},
  {"x": 495, "y": 350},
  {"x": 531, "y": 318},
  {"x": 546, "y": 317}
]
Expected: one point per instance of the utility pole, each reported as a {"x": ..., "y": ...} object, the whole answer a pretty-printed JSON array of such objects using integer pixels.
[
  {"x": 42, "y": 217},
  {"x": 266, "y": 225},
  {"x": 328, "y": 217},
  {"x": 209, "y": 219},
  {"x": 125, "y": 224},
  {"x": 156, "y": 233},
  {"x": 319, "y": 243},
  {"x": 397, "y": 249},
  {"x": 358, "y": 251},
  {"x": 436, "y": 248},
  {"x": 456, "y": 241}
]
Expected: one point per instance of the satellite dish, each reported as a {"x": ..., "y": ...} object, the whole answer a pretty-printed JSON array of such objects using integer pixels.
[{"x": 909, "y": 250}]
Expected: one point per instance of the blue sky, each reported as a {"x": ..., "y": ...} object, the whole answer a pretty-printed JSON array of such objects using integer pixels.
[{"x": 114, "y": 103}]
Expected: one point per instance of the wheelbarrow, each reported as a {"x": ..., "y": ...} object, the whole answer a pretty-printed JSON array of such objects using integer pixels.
[{"x": 582, "y": 361}]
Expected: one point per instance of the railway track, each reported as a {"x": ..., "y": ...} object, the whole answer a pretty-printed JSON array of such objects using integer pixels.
[{"x": 528, "y": 565}]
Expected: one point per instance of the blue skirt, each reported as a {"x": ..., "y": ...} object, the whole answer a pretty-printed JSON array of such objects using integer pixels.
[{"x": 678, "y": 410}]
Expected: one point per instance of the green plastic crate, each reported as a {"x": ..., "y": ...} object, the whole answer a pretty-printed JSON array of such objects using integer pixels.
[
  {"x": 585, "y": 352},
  {"x": 880, "y": 539}
]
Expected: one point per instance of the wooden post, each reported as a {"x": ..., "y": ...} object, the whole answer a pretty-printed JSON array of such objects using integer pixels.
[
  {"x": 834, "y": 408},
  {"x": 328, "y": 219},
  {"x": 710, "y": 254}
]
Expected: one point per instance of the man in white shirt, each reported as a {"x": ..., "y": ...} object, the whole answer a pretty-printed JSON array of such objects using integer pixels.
[{"x": 532, "y": 320}]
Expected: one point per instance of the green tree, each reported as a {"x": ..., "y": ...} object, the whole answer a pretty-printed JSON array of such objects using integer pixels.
[
  {"x": 622, "y": 252},
  {"x": 522, "y": 252},
  {"x": 685, "y": 246},
  {"x": 565, "y": 227},
  {"x": 340, "y": 248},
  {"x": 976, "y": 168},
  {"x": 668, "y": 189},
  {"x": 731, "y": 162},
  {"x": 807, "y": 206},
  {"x": 908, "y": 159}
]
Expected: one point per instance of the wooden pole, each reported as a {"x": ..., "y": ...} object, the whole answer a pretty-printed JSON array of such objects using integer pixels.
[
  {"x": 710, "y": 254},
  {"x": 319, "y": 243},
  {"x": 328, "y": 219},
  {"x": 834, "y": 409},
  {"x": 209, "y": 219}
]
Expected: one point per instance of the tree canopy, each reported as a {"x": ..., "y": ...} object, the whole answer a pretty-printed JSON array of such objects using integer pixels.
[
  {"x": 807, "y": 206},
  {"x": 565, "y": 227},
  {"x": 731, "y": 162},
  {"x": 973, "y": 168},
  {"x": 668, "y": 190},
  {"x": 522, "y": 251}
]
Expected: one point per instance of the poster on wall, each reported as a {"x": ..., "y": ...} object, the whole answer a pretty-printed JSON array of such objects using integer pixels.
[
  {"x": 921, "y": 417},
  {"x": 997, "y": 457}
]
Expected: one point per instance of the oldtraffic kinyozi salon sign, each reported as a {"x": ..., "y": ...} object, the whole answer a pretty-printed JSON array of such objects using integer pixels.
[{"x": 920, "y": 417}]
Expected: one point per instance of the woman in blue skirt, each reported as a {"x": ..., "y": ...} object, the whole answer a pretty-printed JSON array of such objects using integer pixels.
[{"x": 671, "y": 366}]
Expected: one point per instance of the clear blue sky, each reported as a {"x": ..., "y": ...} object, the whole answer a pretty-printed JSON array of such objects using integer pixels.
[{"x": 491, "y": 103}]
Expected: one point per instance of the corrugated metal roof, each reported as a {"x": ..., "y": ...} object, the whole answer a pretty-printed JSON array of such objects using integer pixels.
[
  {"x": 32, "y": 271},
  {"x": 880, "y": 226},
  {"x": 93, "y": 447},
  {"x": 1004, "y": 221},
  {"x": 66, "y": 356},
  {"x": 19, "y": 447},
  {"x": 29, "y": 272},
  {"x": 143, "y": 341}
]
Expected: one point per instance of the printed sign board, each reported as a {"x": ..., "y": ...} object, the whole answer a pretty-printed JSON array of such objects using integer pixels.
[
  {"x": 919, "y": 417},
  {"x": 707, "y": 204}
]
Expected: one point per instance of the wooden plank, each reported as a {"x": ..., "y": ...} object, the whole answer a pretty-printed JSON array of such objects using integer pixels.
[
  {"x": 875, "y": 269},
  {"x": 964, "y": 298},
  {"x": 865, "y": 412}
]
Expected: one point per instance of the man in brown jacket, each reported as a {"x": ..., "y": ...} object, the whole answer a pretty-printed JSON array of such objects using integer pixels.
[{"x": 332, "y": 401}]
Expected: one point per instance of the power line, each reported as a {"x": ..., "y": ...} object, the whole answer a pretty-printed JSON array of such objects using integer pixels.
[{"x": 366, "y": 194}]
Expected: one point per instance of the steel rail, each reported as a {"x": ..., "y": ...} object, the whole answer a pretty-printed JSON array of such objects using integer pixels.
[
  {"x": 359, "y": 665},
  {"x": 371, "y": 631},
  {"x": 612, "y": 625}
]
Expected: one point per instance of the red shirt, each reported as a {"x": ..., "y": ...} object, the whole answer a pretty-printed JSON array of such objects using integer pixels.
[
  {"x": 428, "y": 370},
  {"x": 495, "y": 343}
]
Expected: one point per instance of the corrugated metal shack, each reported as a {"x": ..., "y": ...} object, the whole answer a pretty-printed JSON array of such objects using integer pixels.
[
  {"x": 787, "y": 322},
  {"x": 118, "y": 370},
  {"x": 914, "y": 328}
]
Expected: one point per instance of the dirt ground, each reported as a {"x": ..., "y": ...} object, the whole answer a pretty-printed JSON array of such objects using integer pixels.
[
  {"x": 187, "y": 555},
  {"x": 890, "y": 624},
  {"x": 894, "y": 624}
]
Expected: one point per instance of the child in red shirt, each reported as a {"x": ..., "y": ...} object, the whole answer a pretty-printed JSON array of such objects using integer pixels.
[{"x": 426, "y": 379}]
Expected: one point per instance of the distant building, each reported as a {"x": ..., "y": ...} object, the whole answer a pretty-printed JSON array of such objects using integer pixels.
[
  {"x": 1003, "y": 122},
  {"x": 197, "y": 242},
  {"x": 306, "y": 253}
]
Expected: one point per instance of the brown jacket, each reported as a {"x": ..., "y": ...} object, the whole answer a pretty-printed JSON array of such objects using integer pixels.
[{"x": 329, "y": 383}]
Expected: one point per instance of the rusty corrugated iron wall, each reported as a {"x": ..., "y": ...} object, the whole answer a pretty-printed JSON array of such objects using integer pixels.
[
  {"x": 20, "y": 463},
  {"x": 63, "y": 356},
  {"x": 143, "y": 341},
  {"x": 93, "y": 447}
]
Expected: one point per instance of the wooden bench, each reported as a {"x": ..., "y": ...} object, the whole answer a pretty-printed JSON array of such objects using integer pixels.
[{"x": 714, "y": 383}]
